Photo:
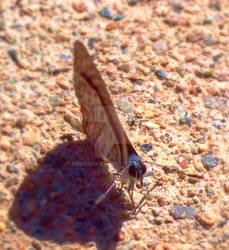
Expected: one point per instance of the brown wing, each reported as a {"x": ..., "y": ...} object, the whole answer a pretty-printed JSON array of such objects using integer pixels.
[{"x": 100, "y": 121}]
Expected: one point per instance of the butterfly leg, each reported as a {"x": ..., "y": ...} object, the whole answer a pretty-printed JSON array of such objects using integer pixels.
[{"x": 131, "y": 193}]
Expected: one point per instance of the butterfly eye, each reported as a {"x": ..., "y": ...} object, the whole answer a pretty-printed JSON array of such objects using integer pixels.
[
  {"x": 143, "y": 167},
  {"x": 137, "y": 171},
  {"x": 132, "y": 170}
]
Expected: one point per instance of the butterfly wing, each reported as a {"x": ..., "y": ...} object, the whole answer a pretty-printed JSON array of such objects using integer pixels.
[{"x": 100, "y": 121}]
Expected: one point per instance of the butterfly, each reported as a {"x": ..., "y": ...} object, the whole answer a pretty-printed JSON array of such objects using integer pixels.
[{"x": 101, "y": 123}]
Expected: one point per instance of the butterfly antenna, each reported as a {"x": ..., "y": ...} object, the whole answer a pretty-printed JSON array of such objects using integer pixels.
[{"x": 103, "y": 196}]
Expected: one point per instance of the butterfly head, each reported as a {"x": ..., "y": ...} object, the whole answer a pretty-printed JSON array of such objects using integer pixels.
[{"x": 136, "y": 168}]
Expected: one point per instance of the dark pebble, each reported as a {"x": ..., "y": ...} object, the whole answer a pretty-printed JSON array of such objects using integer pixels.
[
  {"x": 20, "y": 123},
  {"x": 54, "y": 101},
  {"x": 16, "y": 25},
  {"x": 185, "y": 120},
  {"x": 210, "y": 40},
  {"x": 14, "y": 56},
  {"x": 146, "y": 147},
  {"x": 132, "y": 2},
  {"x": 119, "y": 17},
  {"x": 177, "y": 8},
  {"x": 152, "y": 101},
  {"x": 215, "y": 5},
  {"x": 169, "y": 169},
  {"x": 180, "y": 212},
  {"x": 203, "y": 74},
  {"x": 106, "y": 13},
  {"x": 201, "y": 140},
  {"x": 225, "y": 237},
  {"x": 131, "y": 120},
  {"x": 217, "y": 57},
  {"x": 208, "y": 19},
  {"x": 65, "y": 57},
  {"x": 222, "y": 223},
  {"x": 12, "y": 169},
  {"x": 91, "y": 43},
  {"x": 137, "y": 81},
  {"x": 209, "y": 161},
  {"x": 217, "y": 124},
  {"x": 161, "y": 75}
]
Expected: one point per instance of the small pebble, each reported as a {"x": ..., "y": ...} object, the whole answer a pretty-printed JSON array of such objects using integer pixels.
[
  {"x": 21, "y": 122},
  {"x": 222, "y": 223},
  {"x": 149, "y": 125},
  {"x": 124, "y": 67},
  {"x": 119, "y": 17},
  {"x": 209, "y": 40},
  {"x": 3, "y": 157},
  {"x": 131, "y": 120},
  {"x": 206, "y": 218},
  {"x": 156, "y": 211},
  {"x": 5, "y": 143},
  {"x": 217, "y": 124},
  {"x": 79, "y": 7},
  {"x": 208, "y": 19},
  {"x": 31, "y": 167},
  {"x": 54, "y": 101},
  {"x": 62, "y": 81},
  {"x": 215, "y": 5},
  {"x": 203, "y": 73},
  {"x": 177, "y": 7},
  {"x": 132, "y": 2},
  {"x": 65, "y": 57},
  {"x": 146, "y": 147},
  {"x": 181, "y": 212},
  {"x": 73, "y": 121},
  {"x": 16, "y": 25},
  {"x": 124, "y": 106},
  {"x": 209, "y": 161},
  {"x": 211, "y": 102},
  {"x": 106, "y": 13},
  {"x": 203, "y": 147},
  {"x": 31, "y": 137},
  {"x": 91, "y": 43},
  {"x": 181, "y": 86},
  {"x": 168, "y": 83},
  {"x": 111, "y": 26},
  {"x": 9, "y": 37},
  {"x": 128, "y": 246},
  {"x": 161, "y": 201},
  {"x": 14, "y": 56},
  {"x": 217, "y": 57},
  {"x": 161, "y": 75},
  {"x": 12, "y": 169},
  {"x": 185, "y": 121},
  {"x": 37, "y": 245}
]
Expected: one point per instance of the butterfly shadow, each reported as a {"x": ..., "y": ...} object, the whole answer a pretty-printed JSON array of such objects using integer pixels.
[{"x": 56, "y": 202}]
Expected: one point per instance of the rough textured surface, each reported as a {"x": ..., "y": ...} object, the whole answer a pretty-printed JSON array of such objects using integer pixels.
[{"x": 165, "y": 64}]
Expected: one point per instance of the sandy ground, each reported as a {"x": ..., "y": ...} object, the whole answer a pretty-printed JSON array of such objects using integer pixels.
[{"x": 166, "y": 67}]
